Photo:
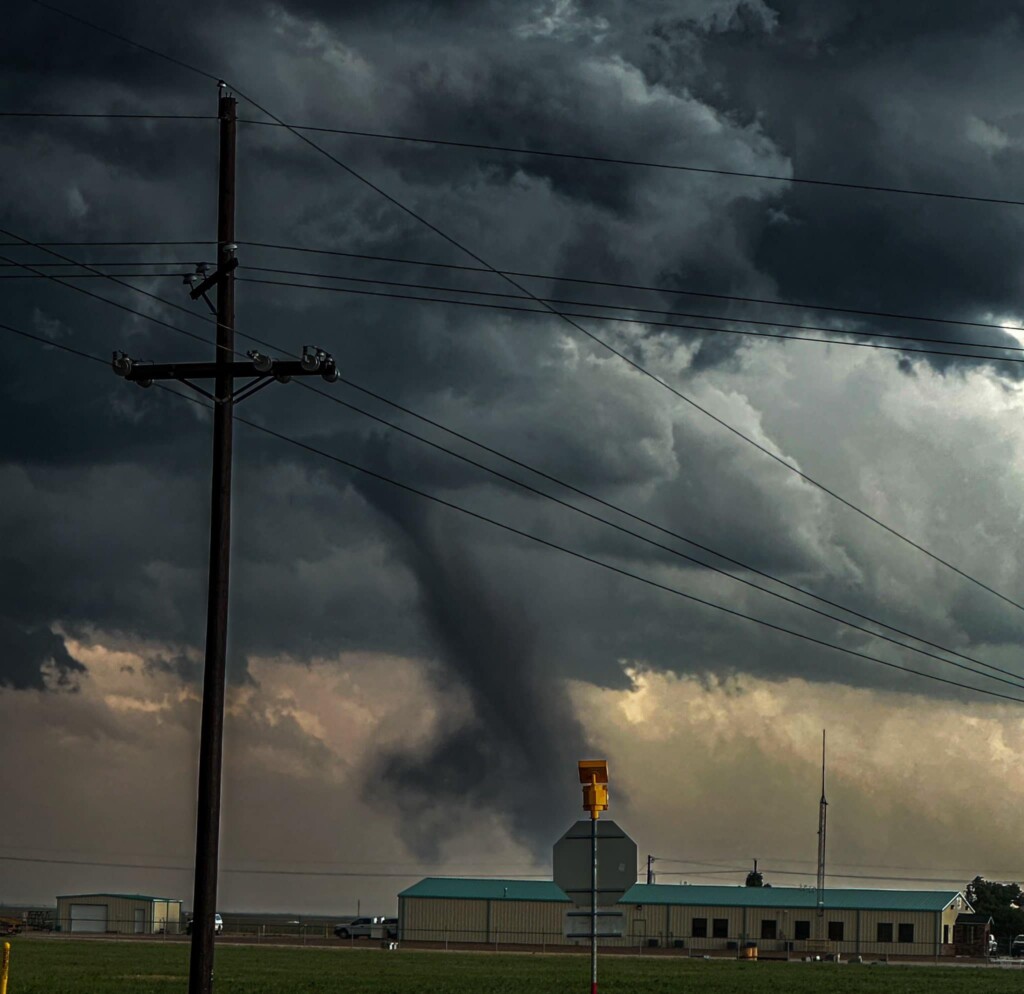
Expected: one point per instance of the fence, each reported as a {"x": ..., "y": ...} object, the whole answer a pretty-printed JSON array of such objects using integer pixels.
[{"x": 279, "y": 931}]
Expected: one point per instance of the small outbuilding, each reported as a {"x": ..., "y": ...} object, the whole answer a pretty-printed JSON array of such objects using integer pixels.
[{"x": 125, "y": 914}]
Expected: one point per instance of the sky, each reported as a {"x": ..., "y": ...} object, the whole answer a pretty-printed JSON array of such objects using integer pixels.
[{"x": 410, "y": 687}]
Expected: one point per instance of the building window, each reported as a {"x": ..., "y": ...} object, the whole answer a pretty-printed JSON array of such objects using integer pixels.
[
  {"x": 801, "y": 930},
  {"x": 906, "y": 933},
  {"x": 720, "y": 928},
  {"x": 769, "y": 928},
  {"x": 835, "y": 931},
  {"x": 885, "y": 931},
  {"x": 700, "y": 928}
]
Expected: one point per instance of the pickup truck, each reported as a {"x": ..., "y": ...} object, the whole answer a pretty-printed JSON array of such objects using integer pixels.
[{"x": 358, "y": 928}]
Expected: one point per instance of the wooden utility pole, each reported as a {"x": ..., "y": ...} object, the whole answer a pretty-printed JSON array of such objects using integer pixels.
[
  {"x": 224, "y": 370},
  {"x": 211, "y": 736}
]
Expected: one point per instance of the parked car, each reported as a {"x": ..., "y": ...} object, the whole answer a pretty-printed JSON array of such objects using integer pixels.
[
  {"x": 218, "y": 925},
  {"x": 1017, "y": 946},
  {"x": 390, "y": 928},
  {"x": 358, "y": 928}
]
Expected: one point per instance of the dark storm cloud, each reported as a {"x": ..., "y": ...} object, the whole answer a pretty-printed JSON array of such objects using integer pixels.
[
  {"x": 27, "y": 652},
  {"x": 812, "y": 88}
]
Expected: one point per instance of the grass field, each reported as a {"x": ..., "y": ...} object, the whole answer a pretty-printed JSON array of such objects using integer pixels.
[{"x": 97, "y": 967}]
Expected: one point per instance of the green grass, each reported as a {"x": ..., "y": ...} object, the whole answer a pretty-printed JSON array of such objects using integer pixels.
[{"x": 64, "y": 966}]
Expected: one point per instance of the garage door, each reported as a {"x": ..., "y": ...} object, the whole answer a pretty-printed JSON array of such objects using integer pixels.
[{"x": 88, "y": 918}]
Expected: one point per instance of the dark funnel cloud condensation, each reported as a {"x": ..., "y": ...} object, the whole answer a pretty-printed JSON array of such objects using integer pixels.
[{"x": 508, "y": 748}]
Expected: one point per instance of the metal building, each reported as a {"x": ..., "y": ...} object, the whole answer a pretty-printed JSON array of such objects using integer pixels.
[
  {"x": 126, "y": 914},
  {"x": 787, "y": 920},
  {"x": 780, "y": 921},
  {"x": 503, "y": 912}
]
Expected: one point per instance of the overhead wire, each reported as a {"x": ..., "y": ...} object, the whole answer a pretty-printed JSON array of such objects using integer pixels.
[
  {"x": 566, "y": 504},
  {"x": 649, "y": 322},
  {"x": 106, "y": 116},
  {"x": 583, "y": 557},
  {"x": 558, "y": 300},
  {"x": 260, "y": 872},
  {"x": 979, "y": 357},
  {"x": 1015, "y": 682},
  {"x": 636, "y": 365},
  {"x": 590, "y": 335},
  {"x": 508, "y": 149},
  {"x": 633, "y": 307},
  {"x": 674, "y": 166},
  {"x": 610, "y": 284},
  {"x": 648, "y": 288},
  {"x": 640, "y": 368},
  {"x": 558, "y": 481}
]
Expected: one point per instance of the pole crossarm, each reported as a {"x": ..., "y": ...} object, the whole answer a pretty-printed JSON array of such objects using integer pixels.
[{"x": 259, "y": 370}]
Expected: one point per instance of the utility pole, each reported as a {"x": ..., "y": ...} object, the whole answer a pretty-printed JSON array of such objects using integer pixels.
[
  {"x": 822, "y": 817},
  {"x": 650, "y": 869},
  {"x": 224, "y": 370},
  {"x": 211, "y": 737}
]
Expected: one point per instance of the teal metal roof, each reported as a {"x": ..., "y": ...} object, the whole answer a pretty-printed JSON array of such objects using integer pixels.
[
  {"x": 486, "y": 890},
  {"x": 790, "y": 897},
  {"x": 123, "y": 897}
]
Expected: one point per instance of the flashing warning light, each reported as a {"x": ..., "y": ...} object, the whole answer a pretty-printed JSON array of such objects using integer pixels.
[{"x": 594, "y": 777}]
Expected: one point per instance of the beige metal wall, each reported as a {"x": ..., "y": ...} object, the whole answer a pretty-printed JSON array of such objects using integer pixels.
[
  {"x": 503, "y": 922},
  {"x": 436, "y": 919},
  {"x": 672, "y": 925},
  {"x": 120, "y": 911},
  {"x": 543, "y": 922},
  {"x": 528, "y": 922}
]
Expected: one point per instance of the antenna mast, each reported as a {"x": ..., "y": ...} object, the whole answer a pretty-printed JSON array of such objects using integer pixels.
[{"x": 822, "y": 817}]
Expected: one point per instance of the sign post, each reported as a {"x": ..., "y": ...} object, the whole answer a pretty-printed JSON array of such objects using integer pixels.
[{"x": 594, "y": 777}]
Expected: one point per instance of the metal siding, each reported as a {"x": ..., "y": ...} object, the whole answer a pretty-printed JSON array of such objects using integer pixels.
[
  {"x": 924, "y": 939},
  {"x": 532, "y": 922},
  {"x": 441, "y": 919}
]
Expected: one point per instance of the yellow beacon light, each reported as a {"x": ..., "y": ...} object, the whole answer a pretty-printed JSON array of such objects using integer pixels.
[{"x": 594, "y": 777}]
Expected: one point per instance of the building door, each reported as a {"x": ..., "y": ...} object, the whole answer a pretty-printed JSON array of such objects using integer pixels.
[
  {"x": 140, "y": 920},
  {"x": 945, "y": 935},
  {"x": 88, "y": 918}
]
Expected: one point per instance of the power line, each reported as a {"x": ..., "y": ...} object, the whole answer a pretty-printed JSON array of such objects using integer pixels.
[
  {"x": 85, "y": 276},
  {"x": 101, "y": 262},
  {"x": 810, "y": 862},
  {"x": 634, "y": 364},
  {"x": 510, "y": 529},
  {"x": 128, "y": 41},
  {"x": 678, "y": 167},
  {"x": 130, "y": 117},
  {"x": 629, "y": 514},
  {"x": 595, "y": 338},
  {"x": 117, "y": 280},
  {"x": 504, "y": 149},
  {"x": 264, "y": 872},
  {"x": 588, "y": 514},
  {"x": 69, "y": 261},
  {"x": 768, "y": 872},
  {"x": 95, "y": 244},
  {"x": 631, "y": 307},
  {"x": 455, "y": 243},
  {"x": 620, "y": 528},
  {"x": 581, "y": 303},
  {"x": 1015, "y": 682},
  {"x": 647, "y": 288},
  {"x": 560, "y": 312}
]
